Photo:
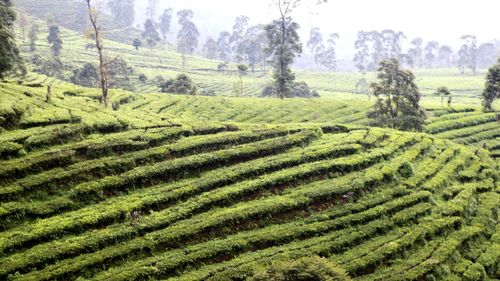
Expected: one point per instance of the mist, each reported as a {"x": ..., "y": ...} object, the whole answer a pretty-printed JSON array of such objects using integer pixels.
[{"x": 443, "y": 21}]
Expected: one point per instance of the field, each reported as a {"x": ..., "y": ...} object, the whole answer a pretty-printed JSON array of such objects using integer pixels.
[
  {"x": 176, "y": 187},
  {"x": 155, "y": 191}
]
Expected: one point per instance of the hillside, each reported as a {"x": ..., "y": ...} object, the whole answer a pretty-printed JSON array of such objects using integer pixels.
[
  {"x": 142, "y": 193},
  {"x": 165, "y": 62}
]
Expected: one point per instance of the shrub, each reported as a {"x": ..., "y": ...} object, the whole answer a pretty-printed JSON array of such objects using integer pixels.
[
  {"x": 306, "y": 268},
  {"x": 87, "y": 76},
  {"x": 183, "y": 85},
  {"x": 299, "y": 90}
]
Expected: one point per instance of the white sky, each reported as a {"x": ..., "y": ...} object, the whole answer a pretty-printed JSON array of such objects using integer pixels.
[{"x": 442, "y": 20}]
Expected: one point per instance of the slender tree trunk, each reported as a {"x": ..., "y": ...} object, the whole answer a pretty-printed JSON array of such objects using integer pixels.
[{"x": 100, "y": 50}]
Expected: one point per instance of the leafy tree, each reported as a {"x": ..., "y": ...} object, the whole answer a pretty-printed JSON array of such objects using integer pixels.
[
  {"x": 445, "y": 55},
  {"x": 377, "y": 49},
  {"x": 119, "y": 73},
  {"x": 314, "y": 43},
  {"x": 302, "y": 269},
  {"x": 187, "y": 38},
  {"x": 254, "y": 44},
  {"x": 242, "y": 71},
  {"x": 391, "y": 42},
  {"x": 362, "y": 57},
  {"x": 55, "y": 41},
  {"x": 137, "y": 43},
  {"x": 297, "y": 90},
  {"x": 492, "y": 88},
  {"x": 236, "y": 41},
  {"x": 209, "y": 49},
  {"x": 328, "y": 56},
  {"x": 470, "y": 45},
  {"x": 150, "y": 34},
  {"x": 463, "y": 58},
  {"x": 123, "y": 11},
  {"x": 486, "y": 54},
  {"x": 430, "y": 54},
  {"x": 52, "y": 68},
  {"x": 87, "y": 76},
  {"x": 151, "y": 9},
  {"x": 224, "y": 46},
  {"x": 165, "y": 22},
  {"x": 284, "y": 46},
  {"x": 33, "y": 37},
  {"x": 398, "y": 99},
  {"x": 182, "y": 85},
  {"x": 444, "y": 92},
  {"x": 416, "y": 52}
]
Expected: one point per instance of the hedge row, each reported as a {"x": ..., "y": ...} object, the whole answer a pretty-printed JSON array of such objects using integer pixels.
[
  {"x": 469, "y": 121},
  {"x": 293, "y": 199},
  {"x": 147, "y": 175},
  {"x": 141, "y": 200},
  {"x": 116, "y": 164},
  {"x": 164, "y": 263}
]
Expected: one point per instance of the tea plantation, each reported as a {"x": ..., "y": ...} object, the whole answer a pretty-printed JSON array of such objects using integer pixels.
[{"x": 172, "y": 187}]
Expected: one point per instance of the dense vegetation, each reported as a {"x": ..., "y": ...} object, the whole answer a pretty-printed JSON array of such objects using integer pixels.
[
  {"x": 147, "y": 197},
  {"x": 182, "y": 182}
]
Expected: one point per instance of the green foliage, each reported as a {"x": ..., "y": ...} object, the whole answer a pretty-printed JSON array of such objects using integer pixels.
[
  {"x": 398, "y": 98},
  {"x": 183, "y": 85},
  {"x": 88, "y": 76},
  {"x": 55, "y": 41},
  {"x": 284, "y": 46},
  {"x": 9, "y": 53},
  {"x": 297, "y": 90},
  {"x": 123, "y": 11},
  {"x": 306, "y": 268},
  {"x": 492, "y": 88}
]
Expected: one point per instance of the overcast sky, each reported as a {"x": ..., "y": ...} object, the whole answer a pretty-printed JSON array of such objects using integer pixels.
[{"x": 442, "y": 20}]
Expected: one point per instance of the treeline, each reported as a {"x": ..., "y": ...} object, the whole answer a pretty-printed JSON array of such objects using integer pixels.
[{"x": 375, "y": 46}]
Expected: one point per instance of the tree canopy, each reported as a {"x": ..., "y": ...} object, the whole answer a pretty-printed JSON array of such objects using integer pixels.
[
  {"x": 398, "y": 98},
  {"x": 9, "y": 53}
]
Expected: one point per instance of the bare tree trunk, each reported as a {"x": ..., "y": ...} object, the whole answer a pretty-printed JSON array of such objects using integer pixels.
[{"x": 94, "y": 19}]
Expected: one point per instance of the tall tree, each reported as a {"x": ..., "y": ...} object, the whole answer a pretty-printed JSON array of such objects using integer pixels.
[
  {"x": 224, "y": 50},
  {"x": 398, "y": 99},
  {"x": 329, "y": 56},
  {"x": 416, "y": 52},
  {"x": 463, "y": 58},
  {"x": 95, "y": 20},
  {"x": 33, "y": 37},
  {"x": 362, "y": 56},
  {"x": 9, "y": 53},
  {"x": 242, "y": 71},
  {"x": 492, "y": 88},
  {"x": 470, "y": 42},
  {"x": 150, "y": 34},
  {"x": 151, "y": 9},
  {"x": 486, "y": 55},
  {"x": 209, "y": 49},
  {"x": 123, "y": 11},
  {"x": 236, "y": 41},
  {"x": 284, "y": 46},
  {"x": 391, "y": 41},
  {"x": 445, "y": 56},
  {"x": 254, "y": 44},
  {"x": 165, "y": 22},
  {"x": 430, "y": 54},
  {"x": 187, "y": 38},
  {"x": 55, "y": 41},
  {"x": 314, "y": 43}
]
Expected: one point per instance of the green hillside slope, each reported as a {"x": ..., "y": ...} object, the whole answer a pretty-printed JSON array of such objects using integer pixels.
[{"x": 142, "y": 193}]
